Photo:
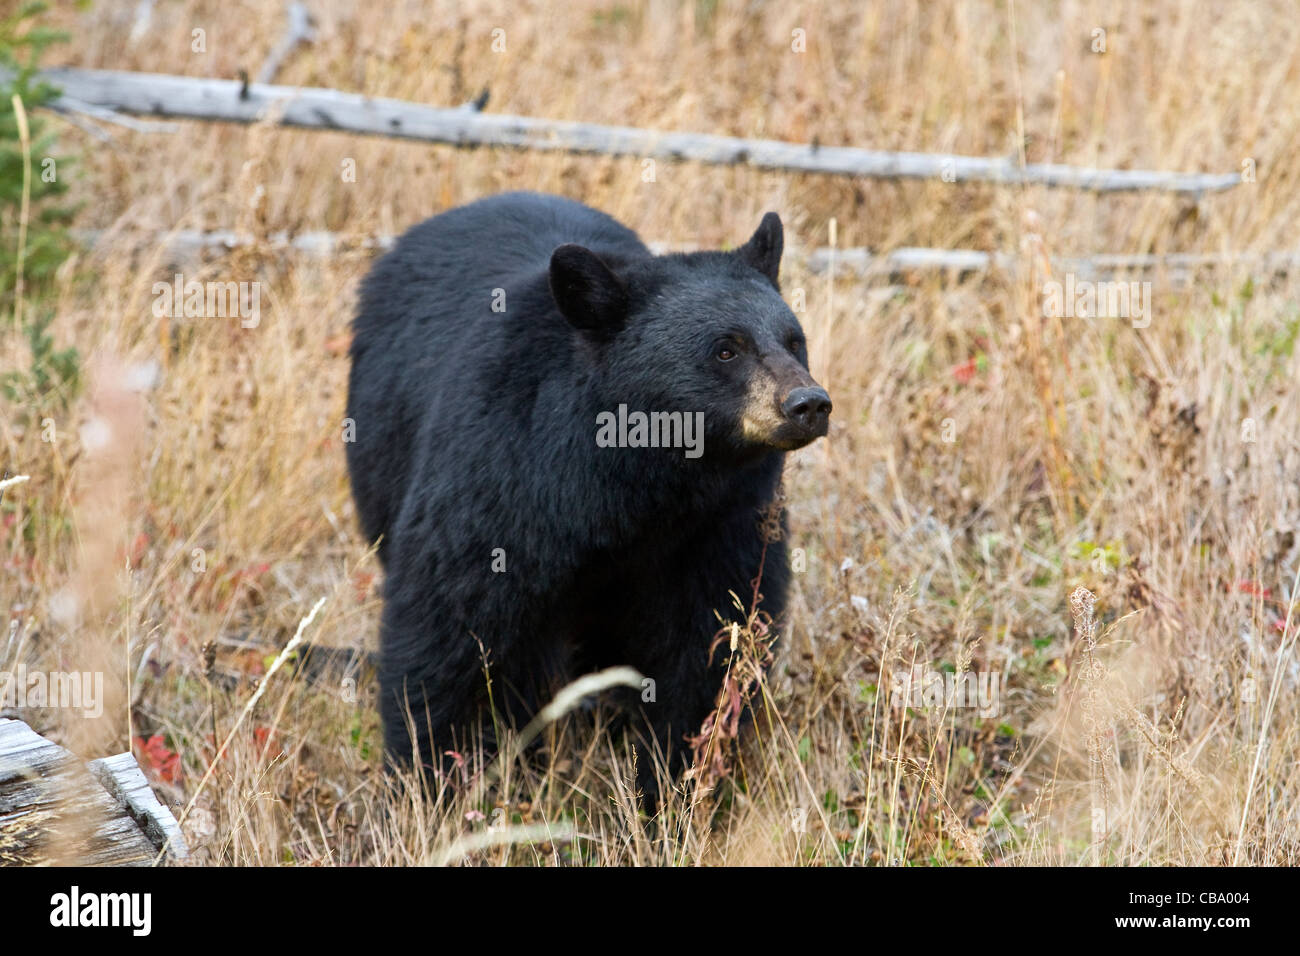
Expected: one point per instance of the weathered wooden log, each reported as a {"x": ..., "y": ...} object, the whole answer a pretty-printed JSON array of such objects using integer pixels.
[
  {"x": 188, "y": 97},
  {"x": 56, "y": 809},
  {"x": 186, "y": 244},
  {"x": 864, "y": 262}
]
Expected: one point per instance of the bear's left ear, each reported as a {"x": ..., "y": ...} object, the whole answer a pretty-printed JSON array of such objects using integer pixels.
[
  {"x": 763, "y": 251},
  {"x": 586, "y": 291}
]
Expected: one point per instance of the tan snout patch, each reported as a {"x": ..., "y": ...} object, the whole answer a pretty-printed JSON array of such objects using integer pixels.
[{"x": 762, "y": 413}]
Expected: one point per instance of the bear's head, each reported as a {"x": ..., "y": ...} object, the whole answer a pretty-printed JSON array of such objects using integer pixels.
[{"x": 698, "y": 332}]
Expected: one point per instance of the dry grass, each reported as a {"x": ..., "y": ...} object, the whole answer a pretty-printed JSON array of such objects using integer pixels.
[{"x": 1082, "y": 452}]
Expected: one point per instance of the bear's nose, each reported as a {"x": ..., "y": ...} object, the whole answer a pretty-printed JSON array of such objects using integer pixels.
[{"x": 809, "y": 408}]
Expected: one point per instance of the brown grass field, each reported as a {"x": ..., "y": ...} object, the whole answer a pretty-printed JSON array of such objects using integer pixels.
[{"x": 984, "y": 460}]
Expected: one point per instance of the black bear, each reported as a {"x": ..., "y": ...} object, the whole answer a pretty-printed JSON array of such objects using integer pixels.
[{"x": 566, "y": 447}]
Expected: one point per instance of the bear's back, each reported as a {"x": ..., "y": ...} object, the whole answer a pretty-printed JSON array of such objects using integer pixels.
[{"x": 459, "y": 257}]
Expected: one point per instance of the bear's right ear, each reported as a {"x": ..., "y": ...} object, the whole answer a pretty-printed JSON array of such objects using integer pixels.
[
  {"x": 763, "y": 251},
  {"x": 587, "y": 293}
]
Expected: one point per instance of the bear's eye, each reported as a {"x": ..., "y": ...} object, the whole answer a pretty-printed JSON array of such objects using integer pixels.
[
  {"x": 794, "y": 343},
  {"x": 726, "y": 353}
]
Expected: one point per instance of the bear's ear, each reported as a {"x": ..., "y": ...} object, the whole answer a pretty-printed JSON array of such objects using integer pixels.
[
  {"x": 763, "y": 251},
  {"x": 587, "y": 293}
]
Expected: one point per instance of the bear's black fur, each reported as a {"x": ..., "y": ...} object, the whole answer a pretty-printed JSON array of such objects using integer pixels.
[{"x": 486, "y": 344}]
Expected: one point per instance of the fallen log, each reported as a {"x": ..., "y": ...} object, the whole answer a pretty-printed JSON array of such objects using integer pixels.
[
  {"x": 181, "y": 245},
  {"x": 200, "y": 98},
  {"x": 55, "y": 809}
]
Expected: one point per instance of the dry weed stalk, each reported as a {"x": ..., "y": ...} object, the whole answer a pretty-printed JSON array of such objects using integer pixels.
[
  {"x": 1161, "y": 744},
  {"x": 1092, "y": 673},
  {"x": 751, "y": 648},
  {"x": 286, "y": 654}
]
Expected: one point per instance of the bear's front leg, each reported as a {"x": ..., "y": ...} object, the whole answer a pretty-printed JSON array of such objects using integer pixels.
[
  {"x": 680, "y": 640},
  {"x": 679, "y": 694},
  {"x": 430, "y": 673}
]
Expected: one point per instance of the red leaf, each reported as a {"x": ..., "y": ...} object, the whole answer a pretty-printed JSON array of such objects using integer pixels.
[
  {"x": 363, "y": 581},
  {"x": 165, "y": 764},
  {"x": 964, "y": 372},
  {"x": 138, "y": 549},
  {"x": 266, "y": 738}
]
